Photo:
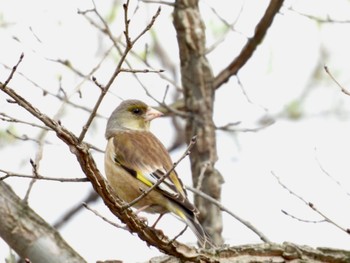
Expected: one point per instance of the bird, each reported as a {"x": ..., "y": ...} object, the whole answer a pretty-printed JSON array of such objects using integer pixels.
[{"x": 135, "y": 159}]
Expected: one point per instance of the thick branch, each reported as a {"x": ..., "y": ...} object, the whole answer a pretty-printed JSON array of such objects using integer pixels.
[
  {"x": 249, "y": 48},
  {"x": 29, "y": 234},
  {"x": 286, "y": 252}
]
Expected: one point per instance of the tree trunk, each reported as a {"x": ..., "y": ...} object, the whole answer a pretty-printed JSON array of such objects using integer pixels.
[
  {"x": 28, "y": 234},
  {"x": 198, "y": 89}
]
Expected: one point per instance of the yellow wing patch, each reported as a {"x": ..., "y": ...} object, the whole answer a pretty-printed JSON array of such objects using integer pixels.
[{"x": 143, "y": 179}]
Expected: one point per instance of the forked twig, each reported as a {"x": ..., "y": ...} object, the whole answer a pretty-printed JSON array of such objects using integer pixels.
[
  {"x": 128, "y": 47},
  {"x": 311, "y": 205}
]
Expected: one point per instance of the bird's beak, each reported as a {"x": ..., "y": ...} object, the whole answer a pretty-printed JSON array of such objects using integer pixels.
[{"x": 152, "y": 114}]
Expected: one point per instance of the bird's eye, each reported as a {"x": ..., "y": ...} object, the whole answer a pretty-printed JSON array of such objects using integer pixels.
[{"x": 136, "y": 111}]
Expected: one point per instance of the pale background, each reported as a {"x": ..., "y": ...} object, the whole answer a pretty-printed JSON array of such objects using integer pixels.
[{"x": 286, "y": 71}]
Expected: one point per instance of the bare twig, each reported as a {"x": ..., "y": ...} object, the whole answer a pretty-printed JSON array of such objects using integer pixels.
[
  {"x": 47, "y": 92},
  {"x": 127, "y": 23},
  {"x": 179, "y": 234},
  {"x": 148, "y": 27},
  {"x": 89, "y": 167},
  {"x": 34, "y": 165},
  {"x": 105, "y": 29},
  {"x": 8, "y": 118},
  {"x": 14, "y": 68},
  {"x": 328, "y": 19},
  {"x": 118, "y": 44},
  {"x": 302, "y": 220},
  {"x": 9, "y": 174},
  {"x": 218, "y": 204},
  {"x": 344, "y": 90},
  {"x": 231, "y": 127},
  {"x": 128, "y": 47},
  {"x": 104, "y": 218},
  {"x": 24, "y": 137},
  {"x": 90, "y": 198},
  {"x": 311, "y": 205},
  {"x": 230, "y": 26},
  {"x": 146, "y": 192},
  {"x": 330, "y": 176},
  {"x": 141, "y": 70},
  {"x": 158, "y": 2}
]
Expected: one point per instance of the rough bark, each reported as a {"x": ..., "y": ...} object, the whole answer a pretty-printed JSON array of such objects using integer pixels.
[
  {"x": 28, "y": 234},
  {"x": 198, "y": 89},
  {"x": 276, "y": 253}
]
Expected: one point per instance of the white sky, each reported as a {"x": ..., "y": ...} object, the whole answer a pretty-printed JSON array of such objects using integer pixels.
[{"x": 295, "y": 49}]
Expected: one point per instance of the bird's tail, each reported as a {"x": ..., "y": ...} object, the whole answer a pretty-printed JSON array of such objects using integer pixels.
[{"x": 192, "y": 221}]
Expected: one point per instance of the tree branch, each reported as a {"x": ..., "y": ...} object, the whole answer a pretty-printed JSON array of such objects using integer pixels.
[
  {"x": 312, "y": 206},
  {"x": 249, "y": 48},
  {"x": 262, "y": 253},
  {"x": 218, "y": 204},
  {"x": 88, "y": 165},
  {"x": 344, "y": 90},
  {"x": 28, "y": 234},
  {"x": 128, "y": 47}
]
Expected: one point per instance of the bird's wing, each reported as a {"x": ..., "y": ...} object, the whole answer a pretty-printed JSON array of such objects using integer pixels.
[{"x": 145, "y": 158}]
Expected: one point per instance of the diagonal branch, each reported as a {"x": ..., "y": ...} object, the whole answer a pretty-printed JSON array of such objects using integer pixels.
[
  {"x": 87, "y": 163},
  {"x": 223, "y": 208},
  {"x": 344, "y": 90},
  {"x": 251, "y": 45},
  {"x": 311, "y": 205},
  {"x": 127, "y": 49}
]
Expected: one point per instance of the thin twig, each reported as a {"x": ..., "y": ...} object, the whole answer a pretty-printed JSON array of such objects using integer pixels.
[
  {"x": 118, "y": 68},
  {"x": 141, "y": 70},
  {"x": 90, "y": 198},
  {"x": 149, "y": 26},
  {"x": 34, "y": 165},
  {"x": 14, "y": 68},
  {"x": 88, "y": 166},
  {"x": 146, "y": 192},
  {"x": 230, "y": 26},
  {"x": 127, "y": 23},
  {"x": 344, "y": 90},
  {"x": 117, "y": 44},
  {"x": 218, "y": 204},
  {"x": 328, "y": 19},
  {"x": 230, "y": 127},
  {"x": 8, "y": 118},
  {"x": 330, "y": 176},
  {"x": 24, "y": 137},
  {"x": 302, "y": 220},
  {"x": 158, "y": 2},
  {"x": 180, "y": 234},
  {"x": 104, "y": 218},
  {"x": 9, "y": 174},
  {"x": 311, "y": 205}
]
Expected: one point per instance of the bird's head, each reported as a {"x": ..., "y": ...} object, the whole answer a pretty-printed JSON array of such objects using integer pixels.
[{"x": 132, "y": 115}]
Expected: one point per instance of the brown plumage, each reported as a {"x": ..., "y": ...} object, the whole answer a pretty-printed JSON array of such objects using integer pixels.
[{"x": 135, "y": 159}]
